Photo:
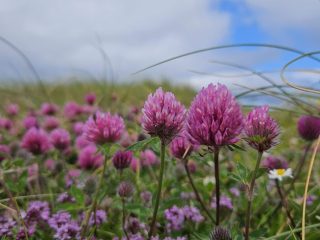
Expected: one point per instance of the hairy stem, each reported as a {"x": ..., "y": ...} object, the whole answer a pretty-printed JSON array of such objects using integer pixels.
[
  {"x": 195, "y": 190},
  {"x": 217, "y": 189},
  {"x": 156, "y": 207},
  {"x": 250, "y": 195},
  {"x": 95, "y": 200}
]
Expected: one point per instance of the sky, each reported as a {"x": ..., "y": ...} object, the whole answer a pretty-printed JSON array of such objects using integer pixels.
[{"x": 114, "y": 38}]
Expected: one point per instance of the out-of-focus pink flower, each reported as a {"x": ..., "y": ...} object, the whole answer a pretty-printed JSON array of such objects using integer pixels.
[
  {"x": 60, "y": 138},
  {"x": 235, "y": 191},
  {"x": 146, "y": 197},
  {"x": 50, "y": 164},
  {"x": 122, "y": 159},
  {"x": 36, "y": 141},
  {"x": 6, "y": 124},
  {"x": 33, "y": 171},
  {"x": 50, "y": 123},
  {"x": 134, "y": 165},
  {"x": 214, "y": 118},
  {"x": 180, "y": 146},
  {"x": 224, "y": 202},
  {"x": 148, "y": 158},
  {"x": 71, "y": 176},
  {"x": 12, "y": 109},
  {"x": 78, "y": 128},
  {"x": 126, "y": 140},
  {"x": 4, "y": 151},
  {"x": 90, "y": 98},
  {"x": 309, "y": 127},
  {"x": 163, "y": 115},
  {"x": 274, "y": 162},
  {"x": 82, "y": 142},
  {"x": 192, "y": 166},
  {"x": 125, "y": 189},
  {"x": 89, "y": 158},
  {"x": 49, "y": 109},
  {"x": 72, "y": 110},
  {"x": 104, "y": 128},
  {"x": 30, "y": 121},
  {"x": 261, "y": 131},
  {"x": 89, "y": 110}
]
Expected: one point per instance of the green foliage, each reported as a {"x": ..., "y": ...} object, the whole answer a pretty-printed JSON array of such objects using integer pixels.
[{"x": 148, "y": 142}]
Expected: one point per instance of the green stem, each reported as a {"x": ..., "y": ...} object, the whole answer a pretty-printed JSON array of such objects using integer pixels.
[
  {"x": 217, "y": 189},
  {"x": 197, "y": 193},
  {"x": 250, "y": 195},
  {"x": 156, "y": 207},
  {"x": 95, "y": 199},
  {"x": 285, "y": 205},
  {"x": 124, "y": 218},
  {"x": 297, "y": 171}
]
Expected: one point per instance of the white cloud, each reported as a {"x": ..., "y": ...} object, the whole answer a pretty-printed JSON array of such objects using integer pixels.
[
  {"x": 288, "y": 20},
  {"x": 60, "y": 36}
]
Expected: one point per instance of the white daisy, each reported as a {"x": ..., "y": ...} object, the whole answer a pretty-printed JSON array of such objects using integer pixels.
[
  {"x": 208, "y": 180},
  {"x": 281, "y": 173}
]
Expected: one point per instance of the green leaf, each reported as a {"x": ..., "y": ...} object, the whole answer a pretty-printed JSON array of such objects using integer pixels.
[
  {"x": 234, "y": 146},
  {"x": 77, "y": 194},
  {"x": 242, "y": 174},
  {"x": 138, "y": 146}
]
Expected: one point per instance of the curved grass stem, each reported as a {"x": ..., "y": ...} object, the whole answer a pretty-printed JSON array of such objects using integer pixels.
[
  {"x": 250, "y": 195},
  {"x": 303, "y": 227}
]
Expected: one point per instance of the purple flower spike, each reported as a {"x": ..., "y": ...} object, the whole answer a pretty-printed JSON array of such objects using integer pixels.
[
  {"x": 215, "y": 118},
  {"x": 36, "y": 141},
  {"x": 309, "y": 127},
  {"x": 104, "y": 128},
  {"x": 122, "y": 159},
  {"x": 163, "y": 115},
  {"x": 261, "y": 131}
]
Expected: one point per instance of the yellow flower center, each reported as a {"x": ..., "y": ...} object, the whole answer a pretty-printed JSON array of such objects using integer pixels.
[{"x": 281, "y": 171}]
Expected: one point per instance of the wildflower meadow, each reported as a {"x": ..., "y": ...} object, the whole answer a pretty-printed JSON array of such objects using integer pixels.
[
  {"x": 159, "y": 120},
  {"x": 157, "y": 168}
]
